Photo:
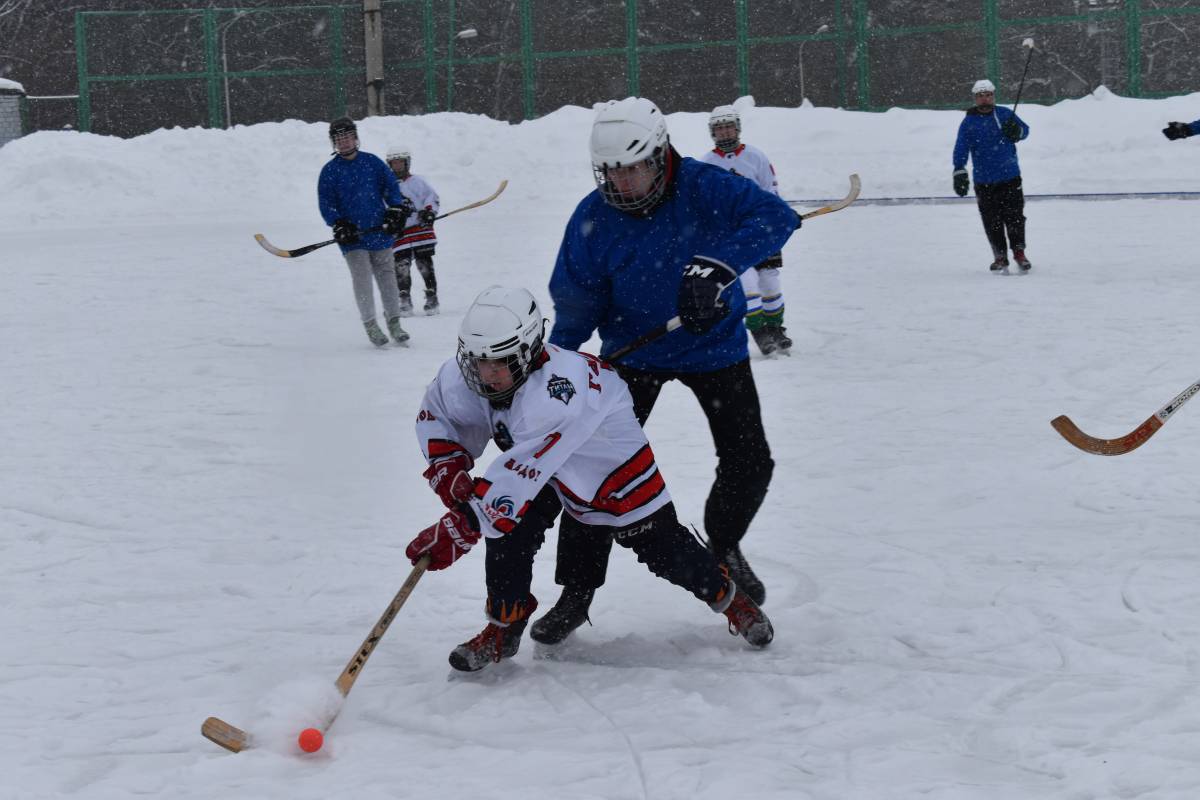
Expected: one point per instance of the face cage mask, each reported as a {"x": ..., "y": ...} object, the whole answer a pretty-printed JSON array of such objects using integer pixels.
[
  {"x": 622, "y": 203},
  {"x": 403, "y": 171},
  {"x": 333, "y": 142},
  {"x": 726, "y": 145},
  {"x": 518, "y": 368}
]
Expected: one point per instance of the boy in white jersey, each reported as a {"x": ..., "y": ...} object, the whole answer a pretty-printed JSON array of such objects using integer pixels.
[
  {"x": 566, "y": 425},
  {"x": 762, "y": 285},
  {"x": 417, "y": 240}
]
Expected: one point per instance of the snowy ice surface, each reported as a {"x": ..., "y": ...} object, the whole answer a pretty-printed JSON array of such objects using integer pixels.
[{"x": 210, "y": 477}]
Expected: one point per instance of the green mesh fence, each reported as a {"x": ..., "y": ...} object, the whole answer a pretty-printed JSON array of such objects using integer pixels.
[{"x": 139, "y": 70}]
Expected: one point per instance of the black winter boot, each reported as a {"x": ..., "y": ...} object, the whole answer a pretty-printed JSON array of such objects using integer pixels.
[{"x": 568, "y": 613}]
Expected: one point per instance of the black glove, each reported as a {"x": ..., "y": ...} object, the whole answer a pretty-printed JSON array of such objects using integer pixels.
[
  {"x": 395, "y": 217},
  {"x": 1011, "y": 130},
  {"x": 700, "y": 303},
  {"x": 345, "y": 232},
  {"x": 961, "y": 182},
  {"x": 1177, "y": 130},
  {"x": 426, "y": 216}
]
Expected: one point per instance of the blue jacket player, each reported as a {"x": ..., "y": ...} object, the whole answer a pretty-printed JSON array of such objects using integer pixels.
[
  {"x": 989, "y": 134},
  {"x": 663, "y": 235}
]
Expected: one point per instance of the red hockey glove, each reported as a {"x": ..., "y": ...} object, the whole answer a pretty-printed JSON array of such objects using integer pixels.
[
  {"x": 446, "y": 541},
  {"x": 451, "y": 479}
]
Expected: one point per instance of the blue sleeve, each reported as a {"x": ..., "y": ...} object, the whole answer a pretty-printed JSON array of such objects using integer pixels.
[
  {"x": 759, "y": 222},
  {"x": 1024, "y": 127},
  {"x": 962, "y": 147},
  {"x": 1195, "y": 126},
  {"x": 326, "y": 197},
  {"x": 389, "y": 187},
  {"x": 581, "y": 296}
]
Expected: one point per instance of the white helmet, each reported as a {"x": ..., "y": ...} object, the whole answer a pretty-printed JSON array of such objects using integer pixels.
[
  {"x": 627, "y": 132},
  {"x": 398, "y": 153},
  {"x": 724, "y": 115},
  {"x": 983, "y": 85},
  {"x": 501, "y": 325}
]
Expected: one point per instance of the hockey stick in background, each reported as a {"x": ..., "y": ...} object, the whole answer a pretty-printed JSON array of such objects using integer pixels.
[
  {"x": 300, "y": 251},
  {"x": 676, "y": 322},
  {"x": 235, "y": 739},
  {"x": 1130, "y": 441},
  {"x": 1021, "y": 86},
  {"x": 855, "y": 188}
]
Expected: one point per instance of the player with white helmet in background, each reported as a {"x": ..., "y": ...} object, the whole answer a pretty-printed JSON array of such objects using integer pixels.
[
  {"x": 988, "y": 136},
  {"x": 417, "y": 241},
  {"x": 565, "y": 425},
  {"x": 762, "y": 285}
]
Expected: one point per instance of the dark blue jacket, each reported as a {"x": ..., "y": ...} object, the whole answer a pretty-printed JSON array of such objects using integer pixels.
[
  {"x": 620, "y": 273},
  {"x": 1195, "y": 126},
  {"x": 993, "y": 156},
  {"x": 360, "y": 190}
]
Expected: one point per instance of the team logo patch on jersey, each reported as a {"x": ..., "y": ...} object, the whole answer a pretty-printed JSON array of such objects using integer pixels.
[
  {"x": 502, "y": 507},
  {"x": 560, "y": 389},
  {"x": 502, "y": 437}
]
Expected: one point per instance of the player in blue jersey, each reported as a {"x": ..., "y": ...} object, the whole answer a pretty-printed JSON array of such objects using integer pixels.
[
  {"x": 661, "y": 236},
  {"x": 989, "y": 134},
  {"x": 360, "y": 199}
]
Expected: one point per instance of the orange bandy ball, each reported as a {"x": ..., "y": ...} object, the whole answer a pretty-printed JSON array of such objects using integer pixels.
[{"x": 311, "y": 740}]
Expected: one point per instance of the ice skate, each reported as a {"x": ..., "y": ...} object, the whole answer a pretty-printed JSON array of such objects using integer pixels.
[
  {"x": 494, "y": 643},
  {"x": 406, "y": 304},
  {"x": 431, "y": 303},
  {"x": 740, "y": 571},
  {"x": 1022, "y": 262},
  {"x": 746, "y": 619}
]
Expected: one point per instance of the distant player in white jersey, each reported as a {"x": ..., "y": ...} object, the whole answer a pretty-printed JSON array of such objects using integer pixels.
[
  {"x": 762, "y": 285},
  {"x": 565, "y": 425},
  {"x": 417, "y": 240}
]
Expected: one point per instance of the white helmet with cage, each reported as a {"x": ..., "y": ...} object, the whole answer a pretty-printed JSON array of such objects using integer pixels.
[
  {"x": 624, "y": 133},
  {"x": 723, "y": 116},
  {"x": 399, "y": 153},
  {"x": 502, "y": 325}
]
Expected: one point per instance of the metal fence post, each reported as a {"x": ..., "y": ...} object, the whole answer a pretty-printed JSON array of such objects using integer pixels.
[
  {"x": 1133, "y": 46},
  {"x": 633, "y": 79},
  {"x": 991, "y": 37},
  {"x": 862, "y": 55},
  {"x": 528, "y": 93},
  {"x": 84, "y": 111},
  {"x": 216, "y": 114},
  {"x": 743, "y": 47},
  {"x": 373, "y": 33}
]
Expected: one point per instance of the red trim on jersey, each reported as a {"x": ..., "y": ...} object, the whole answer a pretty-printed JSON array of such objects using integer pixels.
[
  {"x": 606, "y": 500},
  {"x": 415, "y": 235},
  {"x": 737, "y": 151}
]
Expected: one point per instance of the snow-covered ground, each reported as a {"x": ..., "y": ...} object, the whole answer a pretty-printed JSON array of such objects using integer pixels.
[{"x": 210, "y": 477}]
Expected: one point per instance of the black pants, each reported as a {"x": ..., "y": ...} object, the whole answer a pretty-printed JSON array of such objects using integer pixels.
[
  {"x": 667, "y": 548},
  {"x": 1002, "y": 207},
  {"x": 729, "y": 399},
  {"x": 424, "y": 258}
]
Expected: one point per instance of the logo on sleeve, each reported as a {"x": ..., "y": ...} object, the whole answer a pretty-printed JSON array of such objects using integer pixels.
[
  {"x": 502, "y": 507},
  {"x": 560, "y": 389}
]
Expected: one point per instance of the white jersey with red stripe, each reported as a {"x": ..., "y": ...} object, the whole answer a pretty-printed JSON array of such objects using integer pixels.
[
  {"x": 746, "y": 160},
  {"x": 422, "y": 195},
  {"x": 570, "y": 425}
]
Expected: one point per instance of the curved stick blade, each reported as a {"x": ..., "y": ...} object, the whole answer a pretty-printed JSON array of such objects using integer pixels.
[{"x": 1106, "y": 447}]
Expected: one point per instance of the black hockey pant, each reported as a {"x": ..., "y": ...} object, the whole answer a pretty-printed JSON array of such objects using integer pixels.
[
  {"x": 1001, "y": 207},
  {"x": 424, "y": 258},
  {"x": 729, "y": 400},
  {"x": 667, "y": 548}
]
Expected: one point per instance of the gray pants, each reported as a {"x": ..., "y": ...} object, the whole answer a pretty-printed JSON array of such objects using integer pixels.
[{"x": 377, "y": 263}]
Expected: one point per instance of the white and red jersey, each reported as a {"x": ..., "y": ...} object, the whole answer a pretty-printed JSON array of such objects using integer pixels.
[
  {"x": 570, "y": 425},
  {"x": 747, "y": 161},
  {"x": 422, "y": 195}
]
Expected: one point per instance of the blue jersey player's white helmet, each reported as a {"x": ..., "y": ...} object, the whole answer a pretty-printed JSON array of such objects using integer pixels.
[
  {"x": 629, "y": 148},
  {"x": 503, "y": 327}
]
